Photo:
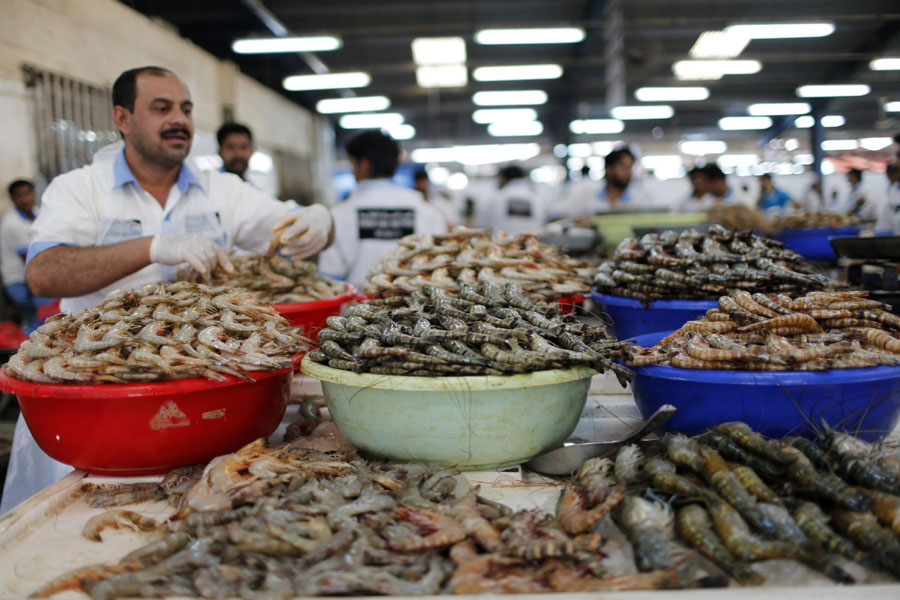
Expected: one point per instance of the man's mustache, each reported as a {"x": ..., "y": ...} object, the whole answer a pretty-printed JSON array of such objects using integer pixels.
[{"x": 180, "y": 130}]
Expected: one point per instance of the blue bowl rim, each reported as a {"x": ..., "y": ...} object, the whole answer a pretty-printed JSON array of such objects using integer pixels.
[
  {"x": 653, "y": 304},
  {"x": 759, "y": 378},
  {"x": 817, "y": 231}
]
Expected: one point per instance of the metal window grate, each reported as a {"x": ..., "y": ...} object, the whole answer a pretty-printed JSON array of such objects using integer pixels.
[{"x": 72, "y": 120}]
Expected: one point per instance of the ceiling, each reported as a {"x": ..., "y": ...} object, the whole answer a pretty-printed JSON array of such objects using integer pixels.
[{"x": 377, "y": 36}]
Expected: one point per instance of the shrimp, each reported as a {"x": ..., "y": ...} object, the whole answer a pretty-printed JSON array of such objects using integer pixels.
[
  {"x": 793, "y": 321},
  {"x": 75, "y": 580},
  {"x": 864, "y": 530},
  {"x": 752, "y": 482},
  {"x": 466, "y": 512},
  {"x": 882, "y": 339},
  {"x": 215, "y": 337},
  {"x": 749, "y": 303},
  {"x": 115, "y": 520},
  {"x": 740, "y": 542},
  {"x": 628, "y": 463},
  {"x": 589, "y": 498},
  {"x": 887, "y": 508},
  {"x": 434, "y": 530},
  {"x": 646, "y": 524},
  {"x": 567, "y": 579},
  {"x": 694, "y": 527},
  {"x": 825, "y": 485},
  {"x": 682, "y": 452},
  {"x": 813, "y": 522},
  {"x": 748, "y": 439}
]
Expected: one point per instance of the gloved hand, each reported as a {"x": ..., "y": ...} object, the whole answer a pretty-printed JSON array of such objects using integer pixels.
[
  {"x": 304, "y": 232},
  {"x": 193, "y": 248}
]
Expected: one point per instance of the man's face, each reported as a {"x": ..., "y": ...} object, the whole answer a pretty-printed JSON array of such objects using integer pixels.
[
  {"x": 619, "y": 174},
  {"x": 23, "y": 198},
  {"x": 235, "y": 151},
  {"x": 699, "y": 184},
  {"x": 161, "y": 127}
]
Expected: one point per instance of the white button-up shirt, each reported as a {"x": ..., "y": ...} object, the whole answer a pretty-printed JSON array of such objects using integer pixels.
[
  {"x": 368, "y": 224},
  {"x": 14, "y": 240},
  {"x": 889, "y": 211},
  {"x": 517, "y": 209},
  {"x": 103, "y": 203}
]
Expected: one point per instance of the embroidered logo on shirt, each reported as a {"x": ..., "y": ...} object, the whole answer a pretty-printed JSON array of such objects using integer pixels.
[
  {"x": 120, "y": 230},
  {"x": 518, "y": 207},
  {"x": 385, "y": 223}
]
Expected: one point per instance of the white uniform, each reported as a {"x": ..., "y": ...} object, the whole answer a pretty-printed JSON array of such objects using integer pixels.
[
  {"x": 690, "y": 203},
  {"x": 578, "y": 193},
  {"x": 368, "y": 224},
  {"x": 516, "y": 208},
  {"x": 103, "y": 204},
  {"x": 14, "y": 239},
  {"x": 889, "y": 212}
]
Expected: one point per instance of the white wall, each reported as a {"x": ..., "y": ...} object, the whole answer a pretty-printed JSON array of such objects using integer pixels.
[{"x": 94, "y": 41}]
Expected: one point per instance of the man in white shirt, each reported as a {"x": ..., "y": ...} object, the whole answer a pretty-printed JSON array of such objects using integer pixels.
[
  {"x": 437, "y": 198},
  {"x": 888, "y": 220},
  {"x": 235, "y": 149},
  {"x": 132, "y": 220},
  {"x": 697, "y": 199},
  {"x": 377, "y": 213},
  {"x": 616, "y": 192},
  {"x": 14, "y": 239},
  {"x": 516, "y": 208}
]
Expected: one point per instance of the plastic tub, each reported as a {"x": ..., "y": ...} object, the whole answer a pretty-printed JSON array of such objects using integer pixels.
[
  {"x": 864, "y": 402},
  {"x": 812, "y": 242},
  {"x": 470, "y": 422},
  {"x": 310, "y": 316},
  {"x": 149, "y": 428},
  {"x": 630, "y": 318}
]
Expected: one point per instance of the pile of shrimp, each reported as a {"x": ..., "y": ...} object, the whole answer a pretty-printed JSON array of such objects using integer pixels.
[
  {"x": 159, "y": 331},
  {"x": 832, "y": 504},
  {"x": 694, "y": 265},
  {"x": 284, "y": 522},
  {"x": 274, "y": 280},
  {"x": 816, "y": 218},
  {"x": 759, "y": 332},
  {"x": 477, "y": 255},
  {"x": 485, "y": 330}
]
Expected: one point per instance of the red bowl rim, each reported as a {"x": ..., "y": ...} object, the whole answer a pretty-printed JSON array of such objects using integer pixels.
[
  {"x": 80, "y": 391},
  {"x": 298, "y": 307}
]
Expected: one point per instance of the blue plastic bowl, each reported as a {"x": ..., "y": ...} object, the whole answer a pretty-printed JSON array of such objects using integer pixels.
[
  {"x": 864, "y": 402},
  {"x": 630, "y": 318},
  {"x": 812, "y": 242}
]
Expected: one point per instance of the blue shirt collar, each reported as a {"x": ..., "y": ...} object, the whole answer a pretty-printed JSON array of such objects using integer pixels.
[
  {"x": 625, "y": 197},
  {"x": 122, "y": 174},
  {"x": 22, "y": 214}
]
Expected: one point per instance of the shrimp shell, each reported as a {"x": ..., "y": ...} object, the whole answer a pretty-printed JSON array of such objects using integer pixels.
[{"x": 796, "y": 320}]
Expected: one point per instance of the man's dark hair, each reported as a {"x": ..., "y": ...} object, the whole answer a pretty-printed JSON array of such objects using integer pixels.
[
  {"x": 856, "y": 172},
  {"x": 617, "y": 156},
  {"x": 420, "y": 175},
  {"x": 585, "y": 170},
  {"x": 712, "y": 171},
  {"x": 11, "y": 189},
  {"x": 512, "y": 172},
  {"x": 694, "y": 172},
  {"x": 382, "y": 152},
  {"x": 766, "y": 176},
  {"x": 229, "y": 128},
  {"x": 125, "y": 88}
]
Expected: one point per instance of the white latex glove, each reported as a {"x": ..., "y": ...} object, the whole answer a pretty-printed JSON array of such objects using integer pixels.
[
  {"x": 193, "y": 248},
  {"x": 304, "y": 232}
]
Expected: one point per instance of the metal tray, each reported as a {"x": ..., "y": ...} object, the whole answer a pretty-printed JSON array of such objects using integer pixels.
[{"x": 885, "y": 247}]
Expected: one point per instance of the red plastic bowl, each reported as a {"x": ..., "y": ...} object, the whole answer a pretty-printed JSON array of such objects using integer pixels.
[
  {"x": 149, "y": 428},
  {"x": 310, "y": 316}
]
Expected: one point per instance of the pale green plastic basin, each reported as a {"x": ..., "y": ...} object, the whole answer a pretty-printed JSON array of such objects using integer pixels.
[{"x": 468, "y": 422}]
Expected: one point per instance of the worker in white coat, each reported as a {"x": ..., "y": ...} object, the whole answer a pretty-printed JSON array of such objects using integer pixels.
[
  {"x": 888, "y": 217},
  {"x": 377, "y": 213},
  {"x": 236, "y": 148},
  {"x": 130, "y": 220},
  {"x": 516, "y": 208}
]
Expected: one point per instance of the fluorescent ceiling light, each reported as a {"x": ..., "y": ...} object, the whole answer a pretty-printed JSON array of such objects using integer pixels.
[
  {"x": 332, "y": 106},
  {"x": 626, "y": 113},
  {"x": 442, "y": 76},
  {"x": 779, "y": 31},
  {"x": 484, "y": 116},
  {"x": 596, "y": 126},
  {"x": 701, "y": 148},
  {"x": 510, "y": 98},
  {"x": 875, "y": 143},
  {"x": 371, "y": 121},
  {"x": 604, "y": 148},
  {"x": 791, "y": 144},
  {"x": 580, "y": 149},
  {"x": 477, "y": 155},
  {"x": 803, "y": 159},
  {"x": 806, "y": 121},
  {"x": 719, "y": 44},
  {"x": 517, "y": 73},
  {"x": 404, "y": 131},
  {"x": 892, "y": 106},
  {"x": 738, "y": 160},
  {"x": 744, "y": 123},
  {"x": 671, "y": 94},
  {"x": 833, "y": 91},
  {"x": 514, "y": 128},
  {"x": 320, "y": 43},
  {"x": 714, "y": 69},
  {"x": 326, "y": 81},
  {"x": 840, "y": 145},
  {"x": 779, "y": 108},
  {"x": 885, "y": 64},
  {"x": 439, "y": 51},
  {"x": 549, "y": 35}
]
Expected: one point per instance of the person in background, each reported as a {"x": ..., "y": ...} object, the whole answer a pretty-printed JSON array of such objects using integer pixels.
[
  {"x": 377, "y": 213},
  {"x": 697, "y": 199},
  {"x": 436, "y": 198},
  {"x": 713, "y": 180},
  {"x": 14, "y": 240},
  {"x": 133, "y": 219},
  {"x": 813, "y": 199},
  {"x": 517, "y": 207},
  {"x": 576, "y": 194},
  {"x": 888, "y": 217},
  {"x": 770, "y": 197},
  {"x": 615, "y": 193},
  {"x": 235, "y": 149}
]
